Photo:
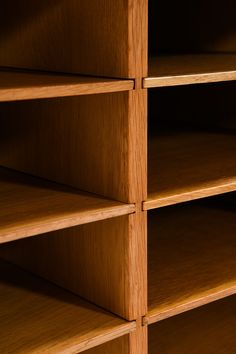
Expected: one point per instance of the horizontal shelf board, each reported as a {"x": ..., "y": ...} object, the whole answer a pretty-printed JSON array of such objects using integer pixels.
[
  {"x": 37, "y": 317},
  {"x": 191, "y": 258},
  {"x": 16, "y": 85},
  {"x": 31, "y": 206},
  {"x": 190, "y": 69},
  {"x": 209, "y": 329},
  {"x": 188, "y": 166}
]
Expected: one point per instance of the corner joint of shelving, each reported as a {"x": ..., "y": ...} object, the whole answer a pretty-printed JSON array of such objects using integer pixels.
[
  {"x": 138, "y": 83},
  {"x": 144, "y": 321}
]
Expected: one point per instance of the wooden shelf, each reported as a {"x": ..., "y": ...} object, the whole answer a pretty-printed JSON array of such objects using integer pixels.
[
  {"x": 190, "y": 165},
  {"x": 210, "y": 329},
  {"x": 30, "y": 206},
  {"x": 191, "y": 257},
  {"x": 190, "y": 69},
  {"x": 37, "y": 317},
  {"x": 15, "y": 85}
]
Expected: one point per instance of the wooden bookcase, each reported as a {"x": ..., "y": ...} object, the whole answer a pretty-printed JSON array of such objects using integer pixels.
[{"x": 117, "y": 177}]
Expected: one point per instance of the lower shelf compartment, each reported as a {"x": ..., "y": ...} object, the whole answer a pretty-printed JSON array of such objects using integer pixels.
[
  {"x": 192, "y": 261},
  {"x": 37, "y": 317},
  {"x": 31, "y": 206},
  {"x": 207, "y": 330}
]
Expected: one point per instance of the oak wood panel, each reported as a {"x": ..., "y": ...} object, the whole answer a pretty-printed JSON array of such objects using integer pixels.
[
  {"x": 139, "y": 339},
  {"x": 191, "y": 257},
  {"x": 190, "y": 69},
  {"x": 207, "y": 330},
  {"x": 108, "y": 39},
  {"x": 190, "y": 165},
  {"x": 38, "y": 317},
  {"x": 137, "y": 265},
  {"x": 72, "y": 141},
  {"x": 104, "y": 262},
  {"x": 16, "y": 85},
  {"x": 30, "y": 206},
  {"x": 137, "y": 140},
  {"x": 138, "y": 38}
]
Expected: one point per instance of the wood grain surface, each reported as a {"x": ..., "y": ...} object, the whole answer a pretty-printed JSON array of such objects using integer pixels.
[
  {"x": 207, "y": 330},
  {"x": 104, "y": 262},
  {"x": 191, "y": 256},
  {"x": 139, "y": 339},
  {"x": 115, "y": 346},
  {"x": 16, "y": 85},
  {"x": 30, "y": 206},
  {"x": 38, "y": 317},
  {"x": 137, "y": 141},
  {"x": 107, "y": 39},
  {"x": 138, "y": 39},
  {"x": 174, "y": 70},
  {"x": 190, "y": 165},
  {"x": 82, "y": 141}
]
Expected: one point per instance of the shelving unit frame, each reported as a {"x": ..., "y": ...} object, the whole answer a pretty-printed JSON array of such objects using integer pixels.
[{"x": 74, "y": 111}]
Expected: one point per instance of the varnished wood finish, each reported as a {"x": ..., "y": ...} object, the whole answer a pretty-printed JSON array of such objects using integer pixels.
[
  {"x": 80, "y": 141},
  {"x": 116, "y": 346},
  {"x": 98, "y": 144},
  {"x": 30, "y": 206},
  {"x": 208, "y": 330},
  {"x": 139, "y": 339},
  {"x": 190, "y": 165},
  {"x": 191, "y": 257},
  {"x": 138, "y": 41},
  {"x": 38, "y": 317},
  {"x": 108, "y": 39},
  {"x": 190, "y": 69},
  {"x": 92, "y": 143},
  {"x": 16, "y": 85},
  {"x": 104, "y": 262},
  {"x": 137, "y": 139}
]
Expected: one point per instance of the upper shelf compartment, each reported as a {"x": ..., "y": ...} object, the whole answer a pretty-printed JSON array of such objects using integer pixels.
[
  {"x": 193, "y": 44},
  {"x": 191, "y": 143},
  {"x": 16, "y": 85},
  {"x": 69, "y": 36}
]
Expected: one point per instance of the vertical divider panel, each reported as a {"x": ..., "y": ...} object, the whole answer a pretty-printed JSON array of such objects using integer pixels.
[
  {"x": 139, "y": 339},
  {"x": 138, "y": 145},
  {"x": 137, "y": 38}
]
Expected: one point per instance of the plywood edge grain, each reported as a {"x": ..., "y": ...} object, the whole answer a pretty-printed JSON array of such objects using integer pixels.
[{"x": 15, "y": 85}]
